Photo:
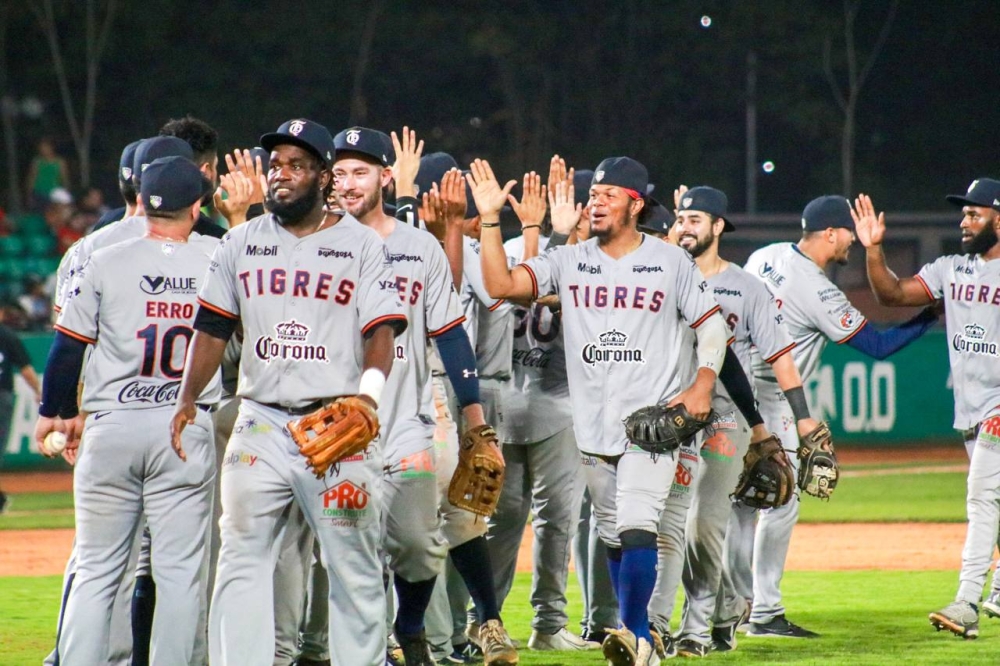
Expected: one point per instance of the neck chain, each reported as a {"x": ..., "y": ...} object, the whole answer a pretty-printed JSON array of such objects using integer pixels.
[{"x": 156, "y": 236}]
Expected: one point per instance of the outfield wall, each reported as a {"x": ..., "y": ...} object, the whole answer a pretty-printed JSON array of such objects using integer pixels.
[{"x": 905, "y": 399}]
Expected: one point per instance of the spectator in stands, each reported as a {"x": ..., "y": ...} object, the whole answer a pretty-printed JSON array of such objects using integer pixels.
[
  {"x": 47, "y": 172},
  {"x": 13, "y": 358},
  {"x": 58, "y": 213},
  {"x": 89, "y": 209},
  {"x": 36, "y": 303}
]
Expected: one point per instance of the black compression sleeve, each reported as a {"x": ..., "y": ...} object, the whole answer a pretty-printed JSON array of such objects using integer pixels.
[
  {"x": 214, "y": 324},
  {"x": 738, "y": 386},
  {"x": 796, "y": 397},
  {"x": 62, "y": 372},
  {"x": 406, "y": 209}
]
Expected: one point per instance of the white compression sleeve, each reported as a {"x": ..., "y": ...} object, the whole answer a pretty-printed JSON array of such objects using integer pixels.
[{"x": 712, "y": 336}]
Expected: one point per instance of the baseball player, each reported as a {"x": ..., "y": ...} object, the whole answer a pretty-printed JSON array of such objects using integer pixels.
[
  {"x": 814, "y": 311},
  {"x": 625, "y": 300},
  {"x": 752, "y": 316},
  {"x": 968, "y": 284},
  {"x": 543, "y": 471},
  {"x": 319, "y": 318},
  {"x": 135, "y": 303}
]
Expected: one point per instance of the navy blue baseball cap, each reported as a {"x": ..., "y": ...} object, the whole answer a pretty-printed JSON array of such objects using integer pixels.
[
  {"x": 982, "y": 192},
  {"x": 622, "y": 172},
  {"x": 656, "y": 219},
  {"x": 127, "y": 162},
  {"x": 831, "y": 211},
  {"x": 709, "y": 200},
  {"x": 264, "y": 155},
  {"x": 153, "y": 148},
  {"x": 581, "y": 186},
  {"x": 433, "y": 167},
  {"x": 171, "y": 184},
  {"x": 305, "y": 134},
  {"x": 369, "y": 142}
]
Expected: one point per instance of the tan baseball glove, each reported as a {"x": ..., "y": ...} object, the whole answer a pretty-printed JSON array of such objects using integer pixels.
[
  {"x": 818, "y": 467},
  {"x": 476, "y": 484},
  {"x": 333, "y": 432},
  {"x": 767, "y": 480}
]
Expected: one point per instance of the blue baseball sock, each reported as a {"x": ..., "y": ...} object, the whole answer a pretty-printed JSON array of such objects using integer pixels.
[
  {"x": 614, "y": 566},
  {"x": 472, "y": 561},
  {"x": 143, "y": 604},
  {"x": 413, "y": 601},
  {"x": 638, "y": 577}
]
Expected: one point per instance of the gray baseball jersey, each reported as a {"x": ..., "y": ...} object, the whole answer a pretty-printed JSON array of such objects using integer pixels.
[
  {"x": 301, "y": 302},
  {"x": 623, "y": 322},
  {"x": 536, "y": 404},
  {"x": 752, "y": 315},
  {"x": 135, "y": 302},
  {"x": 488, "y": 320},
  {"x": 130, "y": 227},
  {"x": 813, "y": 308},
  {"x": 422, "y": 278},
  {"x": 970, "y": 288}
]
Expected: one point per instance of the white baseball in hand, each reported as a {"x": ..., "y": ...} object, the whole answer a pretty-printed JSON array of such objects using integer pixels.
[{"x": 55, "y": 442}]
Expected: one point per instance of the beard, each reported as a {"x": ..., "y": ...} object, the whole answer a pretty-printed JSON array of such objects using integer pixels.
[
  {"x": 699, "y": 247},
  {"x": 293, "y": 211},
  {"x": 982, "y": 242},
  {"x": 368, "y": 203}
]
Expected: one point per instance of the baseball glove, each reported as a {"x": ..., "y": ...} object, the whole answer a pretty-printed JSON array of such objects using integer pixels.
[
  {"x": 660, "y": 429},
  {"x": 333, "y": 432},
  {"x": 767, "y": 480},
  {"x": 818, "y": 468},
  {"x": 476, "y": 484}
]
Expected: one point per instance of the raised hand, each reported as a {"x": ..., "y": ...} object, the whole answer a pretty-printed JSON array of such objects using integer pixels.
[
  {"x": 531, "y": 208},
  {"x": 240, "y": 188},
  {"x": 678, "y": 193},
  {"x": 565, "y": 214},
  {"x": 557, "y": 172},
  {"x": 404, "y": 171},
  {"x": 430, "y": 205},
  {"x": 244, "y": 161},
  {"x": 869, "y": 227},
  {"x": 486, "y": 191}
]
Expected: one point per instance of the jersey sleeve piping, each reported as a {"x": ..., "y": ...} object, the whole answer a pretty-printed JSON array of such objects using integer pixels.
[
  {"x": 926, "y": 288},
  {"x": 784, "y": 351},
  {"x": 56, "y": 309},
  {"x": 730, "y": 341},
  {"x": 534, "y": 280},
  {"x": 385, "y": 319},
  {"x": 496, "y": 305},
  {"x": 701, "y": 319},
  {"x": 217, "y": 310},
  {"x": 75, "y": 335},
  {"x": 446, "y": 327},
  {"x": 853, "y": 333}
]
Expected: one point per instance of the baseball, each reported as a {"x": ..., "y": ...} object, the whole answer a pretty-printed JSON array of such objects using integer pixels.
[{"x": 55, "y": 442}]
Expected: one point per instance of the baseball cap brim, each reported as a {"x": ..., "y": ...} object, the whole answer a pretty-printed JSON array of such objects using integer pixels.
[
  {"x": 962, "y": 200},
  {"x": 272, "y": 140}
]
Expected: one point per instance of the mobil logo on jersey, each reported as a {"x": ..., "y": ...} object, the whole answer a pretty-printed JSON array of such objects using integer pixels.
[
  {"x": 611, "y": 347},
  {"x": 346, "y": 503},
  {"x": 154, "y": 285},
  {"x": 290, "y": 342},
  {"x": 972, "y": 340}
]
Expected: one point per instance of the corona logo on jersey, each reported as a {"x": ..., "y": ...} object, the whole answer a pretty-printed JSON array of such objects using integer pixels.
[
  {"x": 155, "y": 285},
  {"x": 289, "y": 343},
  {"x": 611, "y": 347},
  {"x": 345, "y": 504},
  {"x": 972, "y": 340}
]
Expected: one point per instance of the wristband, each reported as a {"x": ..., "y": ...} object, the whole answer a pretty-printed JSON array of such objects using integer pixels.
[
  {"x": 797, "y": 401},
  {"x": 372, "y": 383},
  {"x": 531, "y": 226},
  {"x": 489, "y": 225}
]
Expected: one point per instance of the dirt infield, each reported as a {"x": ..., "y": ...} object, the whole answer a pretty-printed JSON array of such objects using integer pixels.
[{"x": 815, "y": 547}]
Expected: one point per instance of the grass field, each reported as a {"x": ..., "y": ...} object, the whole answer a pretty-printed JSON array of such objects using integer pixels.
[{"x": 865, "y": 618}]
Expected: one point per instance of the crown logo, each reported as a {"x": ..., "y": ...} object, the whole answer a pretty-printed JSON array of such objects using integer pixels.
[
  {"x": 353, "y": 136},
  {"x": 975, "y": 332},
  {"x": 296, "y": 127},
  {"x": 155, "y": 201},
  {"x": 613, "y": 338},
  {"x": 292, "y": 330}
]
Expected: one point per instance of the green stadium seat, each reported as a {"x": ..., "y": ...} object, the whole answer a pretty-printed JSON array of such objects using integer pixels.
[
  {"x": 30, "y": 224},
  {"x": 51, "y": 265},
  {"x": 33, "y": 265},
  {"x": 40, "y": 245},
  {"x": 11, "y": 246},
  {"x": 11, "y": 270}
]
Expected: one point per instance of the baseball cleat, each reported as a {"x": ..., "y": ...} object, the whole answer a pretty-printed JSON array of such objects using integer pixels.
[
  {"x": 646, "y": 655},
  {"x": 692, "y": 648},
  {"x": 959, "y": 617},
  {"x": 724, "y": 638},
  {"x": 620, "y": 647},
  {"x": 663, "y": 643},
  {"x": 561, "y": 640},
  {"x": 594, "y": 636},
  {"x": 992, "y": 604},
  {"x": 416, "y": 650},
  {"x": 498, "y": 649},
  {"x": 779, "y": 627}
]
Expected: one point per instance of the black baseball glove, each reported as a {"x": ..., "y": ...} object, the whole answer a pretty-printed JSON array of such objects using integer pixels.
[
  {"x": 767, "y": 480},
  {"x": 660, "y": 429}
]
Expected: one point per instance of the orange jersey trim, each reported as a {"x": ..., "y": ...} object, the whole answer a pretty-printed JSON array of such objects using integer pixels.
[
  {"x": 926, "y": 288},
  {"x": 781, "y": 353},
  {"x": 75, "y": 335},
  {"x": 496, "y": 305},
  {"x": 382, "y": 320},
  {"x": 853, "y": 333},
  {"x": 534, "y": 280},
  {"x": 217, "y": 310},
  {"x": 446, "y": 328},
  {"x": 701, "y": 320}
]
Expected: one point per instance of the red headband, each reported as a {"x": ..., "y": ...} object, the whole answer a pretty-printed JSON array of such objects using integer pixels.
[{"x": 632, "y": 193}]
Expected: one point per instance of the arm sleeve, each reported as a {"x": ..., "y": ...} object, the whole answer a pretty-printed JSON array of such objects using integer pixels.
[
  {"x": 712, "y": 335},
  {"x": 219, "y": 291},
  {"x": 377, "y": 299},
  {"x": 406, "y": 210},
  {"x": 739, "y": 389},
  {"x": 62, "y": 372},
  {"x": 882, "y": 344},
  {"x": 557, "y": 239},
  {"x": 460, "y": 365},
  {"x": 214, "y": 324}
]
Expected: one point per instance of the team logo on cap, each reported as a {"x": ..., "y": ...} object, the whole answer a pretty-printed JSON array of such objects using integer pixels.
[
  {"x": 353, "y": 136},
  {"x": 296, "y": 127},
  {"x": 126, "y": 172},
  {"x": 599, "y": 176},
  {"x": 155, "y": 201},
  {"x": 686, "y": 202}
]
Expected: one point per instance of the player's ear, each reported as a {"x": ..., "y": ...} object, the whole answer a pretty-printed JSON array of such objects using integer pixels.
[
  {"x": 325, "y": 177},
  {"x": 195, "y": 210},
  {"x": 386, "y": 176}
]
